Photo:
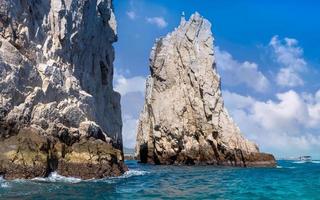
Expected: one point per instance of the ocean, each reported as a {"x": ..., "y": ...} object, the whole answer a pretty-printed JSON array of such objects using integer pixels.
[{"x": 289, "y": 180}]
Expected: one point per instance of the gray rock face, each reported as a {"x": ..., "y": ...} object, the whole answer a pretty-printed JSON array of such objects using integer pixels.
[
  {"x": 56, "y": 71},
  {"x": 184, "y": 120}
]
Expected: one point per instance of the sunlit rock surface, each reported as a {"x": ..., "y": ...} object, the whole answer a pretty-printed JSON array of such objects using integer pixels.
[
  {"x": 184, "y": 120},
  {"x": 58, "y": 110}
]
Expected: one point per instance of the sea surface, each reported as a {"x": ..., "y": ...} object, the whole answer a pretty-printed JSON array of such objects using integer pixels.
[{"x": 290, "y": 180}]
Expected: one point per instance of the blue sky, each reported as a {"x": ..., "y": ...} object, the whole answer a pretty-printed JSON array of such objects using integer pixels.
[{"x": 267, "y": 55}]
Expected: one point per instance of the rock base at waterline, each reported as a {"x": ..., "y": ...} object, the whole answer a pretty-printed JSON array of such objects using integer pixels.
[{"x": 31, "y": 154}]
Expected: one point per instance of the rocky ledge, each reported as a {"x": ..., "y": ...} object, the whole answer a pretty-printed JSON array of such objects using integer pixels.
[
  {"x": 58, "y": 110},
  {"x": 32, "y": 153},
  {"x": 184, "y": 120}
]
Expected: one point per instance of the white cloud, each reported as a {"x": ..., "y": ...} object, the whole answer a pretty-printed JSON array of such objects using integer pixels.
[
  {"x": 236, "y": 101},
  {"x": 129, "y": 131},
  {"x": 131, "y": 14},
  {"x": 289, "y": 112},
  {"x": 132, "y": 104},
  {"x": 125, "y": 85},
  {"x": 289, "y": 55},
  {"x": 288, "y": 77},
  {"x": 158, "y": 21},
  {"x": 286, "y": 126},
  {"x": 132, "y": 98},
  {"x": 234, "y": 72}
]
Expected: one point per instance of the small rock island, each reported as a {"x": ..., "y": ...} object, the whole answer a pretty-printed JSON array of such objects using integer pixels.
[
  {"x": 58, "y": 110},
  {"x": 184, "y": 120}
]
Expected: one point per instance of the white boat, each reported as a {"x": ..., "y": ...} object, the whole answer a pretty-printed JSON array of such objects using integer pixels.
[{"x": 305, "y": 158}]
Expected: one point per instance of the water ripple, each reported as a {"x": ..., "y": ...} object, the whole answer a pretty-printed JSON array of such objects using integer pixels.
[{"x": 289, "y": 180}]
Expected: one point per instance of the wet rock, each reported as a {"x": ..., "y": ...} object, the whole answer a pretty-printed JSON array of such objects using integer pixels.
[
  {"x": 31, "y": 153},
  {"x": 91, "y": 159}
]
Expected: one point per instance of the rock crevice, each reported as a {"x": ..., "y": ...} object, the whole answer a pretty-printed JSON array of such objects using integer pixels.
[{"x": 184, "y": 120}]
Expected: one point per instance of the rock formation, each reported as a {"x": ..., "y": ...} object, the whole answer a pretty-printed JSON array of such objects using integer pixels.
[
  {"x": 184, "y": 120},
  {"x": 58, "y": 110}
]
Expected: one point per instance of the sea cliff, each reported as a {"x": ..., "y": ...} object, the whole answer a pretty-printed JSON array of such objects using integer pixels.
[
  {"x": 184, "y": 120},
  {"x": 58, "y": 110}
]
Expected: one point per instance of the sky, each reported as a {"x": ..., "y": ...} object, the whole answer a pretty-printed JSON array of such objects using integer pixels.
[{"x": 267, "y": 55}]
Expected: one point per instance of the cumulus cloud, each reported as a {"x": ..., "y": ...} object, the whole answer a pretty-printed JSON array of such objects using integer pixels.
[
  {"x": 132, "y": 98},
  {"x": 234, "y": 72},
  {"x": 131, "y": 14},
  {"x": 290, "y": 56},
  {"x": 125, "y": 85},
  {"x": 129, "y": 131},
  {"x": 132, "y": 104},
  {"x": 286, "y": 126},
  {"x": 158, "y": 21}
]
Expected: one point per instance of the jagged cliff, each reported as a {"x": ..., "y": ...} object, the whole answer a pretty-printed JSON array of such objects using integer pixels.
[
  {"x": 184, "y": 120},
  {"x": 58, "y": 110}
]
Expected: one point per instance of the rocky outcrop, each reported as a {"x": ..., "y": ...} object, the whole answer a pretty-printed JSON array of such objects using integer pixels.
[
  {"x": 184, "y": 120},
  {"x": 58, "y": 110}
]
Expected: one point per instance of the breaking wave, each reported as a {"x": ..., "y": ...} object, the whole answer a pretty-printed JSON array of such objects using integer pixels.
[
  {"x": 131, "y": 173},
  {"x": 299, "y": 162},
  {"x": 127, "y": 174},
  {"x": 55, "y": 177},
  {"x": 302, "y": 162},
  {"x": 4, "y": 183},
  {"x": 281, "y": 167}
]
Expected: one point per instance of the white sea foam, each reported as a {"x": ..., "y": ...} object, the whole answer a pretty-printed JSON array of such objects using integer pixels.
[
  {"x": 299, "y": 162},
  {"x": 302, "y": 162},
  {"x": 55, "y": 177},
  {"x": 281, "y": 167},
  {"x": 131, "y": 173},
  {"x": 3, "y": 183},
  {"x": 127, "y": 174}
]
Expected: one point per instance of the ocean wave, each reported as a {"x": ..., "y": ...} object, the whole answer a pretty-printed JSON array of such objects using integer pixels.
[
  {"x": 302, "y": 162},
  {"x": 281, "y": 167},
  {"x": 127, "y": 174},
  {"x": 3, "y": 183},
  {"x": 299, "y": 162},
  {"x": 131, "y": 173},
  {"x": 55, "y": 177}
]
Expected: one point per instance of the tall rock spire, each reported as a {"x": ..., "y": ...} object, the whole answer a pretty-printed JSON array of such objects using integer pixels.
[
  {"x": 184, "y": 120},
  {"x": 58, "y": 110}
]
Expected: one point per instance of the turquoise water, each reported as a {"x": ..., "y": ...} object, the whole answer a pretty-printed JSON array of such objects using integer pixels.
[{"x": 290, "y": 180}]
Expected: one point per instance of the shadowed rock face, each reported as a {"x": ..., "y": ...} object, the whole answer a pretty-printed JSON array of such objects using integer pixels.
[
  {"x": 58, "y": 110},
  {"x": 184, "y": 120}
]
